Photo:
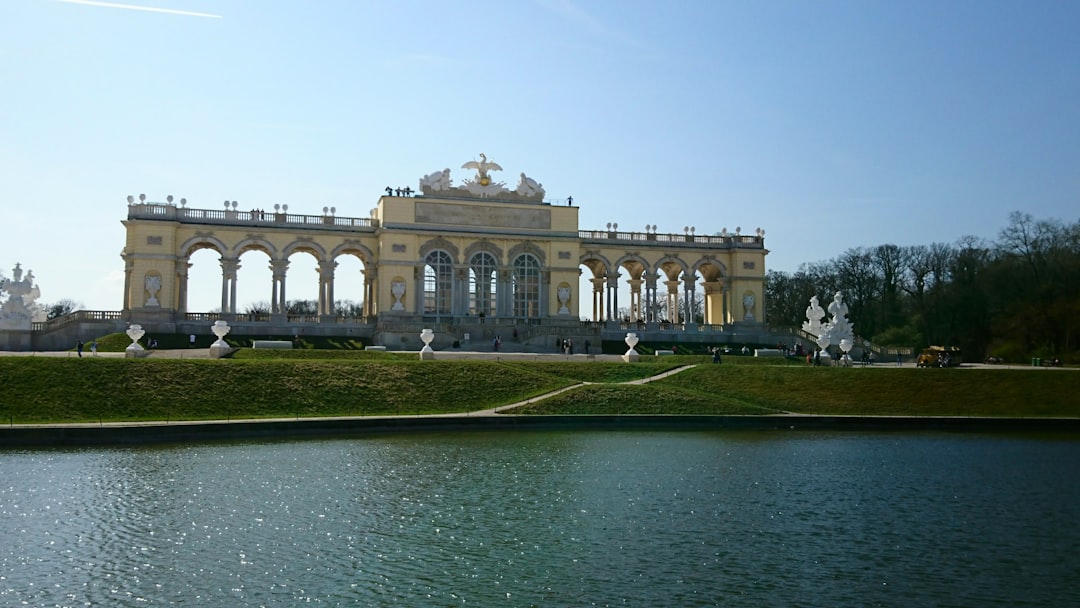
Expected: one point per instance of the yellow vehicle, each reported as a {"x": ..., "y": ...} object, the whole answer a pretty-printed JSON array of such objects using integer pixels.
[{"x": 939, "y": 356}]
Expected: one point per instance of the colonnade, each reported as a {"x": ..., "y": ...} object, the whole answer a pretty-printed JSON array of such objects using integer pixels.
[
  {"x": 279, "y": 270},
  {"x": 646, "y": 306}
]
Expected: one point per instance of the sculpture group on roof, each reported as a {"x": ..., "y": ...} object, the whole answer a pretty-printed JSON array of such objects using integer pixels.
[{"x": 481, "y": 185}]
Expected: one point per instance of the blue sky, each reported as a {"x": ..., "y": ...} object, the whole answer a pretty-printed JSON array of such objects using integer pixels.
[{"x": 829, "y": 124}]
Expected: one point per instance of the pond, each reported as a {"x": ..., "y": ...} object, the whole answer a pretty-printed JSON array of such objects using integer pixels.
[{"x": 549, "y": 518}]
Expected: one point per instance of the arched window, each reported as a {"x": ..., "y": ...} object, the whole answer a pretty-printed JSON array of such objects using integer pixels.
[
  {"x": 438, "y": 275},
  {"x": 526, "y": 284},
  {"x": 482, "y": 277}
]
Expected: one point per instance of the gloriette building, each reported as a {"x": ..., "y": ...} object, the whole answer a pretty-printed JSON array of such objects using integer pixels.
[{"x": 472, "y": 257}]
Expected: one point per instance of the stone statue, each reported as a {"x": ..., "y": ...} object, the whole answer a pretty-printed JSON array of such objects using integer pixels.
[
  {"x": 482, "y": 185},
  {"x": 748, "y": 307},
  {"x": 814, "y": 315},
  {"x": 528, "y": 187},
  {"x": 153, "y": 286},
  {"x": 840, "y": 328},
  {"x": 434, "y": 182},
  {"x": 482, "y": 167},
  {"x": 16, "y": 312}
]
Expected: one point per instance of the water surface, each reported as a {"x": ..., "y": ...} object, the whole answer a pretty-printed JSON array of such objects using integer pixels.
[{"x": 575, "y": 518}]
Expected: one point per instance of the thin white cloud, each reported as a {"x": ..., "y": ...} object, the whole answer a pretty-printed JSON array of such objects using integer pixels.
[
  {"x": 149, "y": 9},
  {"x": 569, "y": 11}
]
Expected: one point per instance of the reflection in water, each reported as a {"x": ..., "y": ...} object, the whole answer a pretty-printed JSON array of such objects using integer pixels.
[{"x": 550, "y": 519}]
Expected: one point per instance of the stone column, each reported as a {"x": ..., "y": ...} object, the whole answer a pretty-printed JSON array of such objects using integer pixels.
[
  {"x": 504, "y": 299},
  {"x": 724, "y": 299},
  {"x": 371, "y": 275},
  {"x": 545, "y": 289},
  {"x": 326, "y": 288},
  {"x": 689, "y": 285},
  {"x": 278, "y": 269},
  {"x": 418, "y": 289},
  {"x": 460, "y": 304},
  {"x": 229, "y": 268},
  {"x": 129, "y": 269},
  {"x": 673, "y": 300},
  {"x": 714, "y": 291},
  {"x": 182, "y": 267},
  {"x": 597, "y": 299},
  {"x": 650, "y": 297},
  {"x": 613, "y": 296},
  {"x": 635, "y": 300}
]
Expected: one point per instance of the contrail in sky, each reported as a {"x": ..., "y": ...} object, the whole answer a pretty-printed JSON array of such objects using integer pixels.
[{"x": 150, "y": 9}]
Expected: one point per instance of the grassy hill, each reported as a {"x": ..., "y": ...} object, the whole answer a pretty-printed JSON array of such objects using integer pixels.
[{"x": 264, "y": 384}]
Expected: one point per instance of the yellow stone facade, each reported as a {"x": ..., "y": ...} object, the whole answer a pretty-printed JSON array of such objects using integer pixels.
[{"x": 451, "y": 257}]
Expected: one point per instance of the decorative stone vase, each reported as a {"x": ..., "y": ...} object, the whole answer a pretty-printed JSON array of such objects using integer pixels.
[
  {"x": 823, "y": 343},
  {"x": 220, "y": 329},
  {"x": 397, "y": 289},
  {"x": 846, "y": 344},
  {"x": 564, "y": 297},
  {"x": 220, "y": 347},
  {"x": 427, "y": 352},
  {"x": 631, "y": 355},
  {"x": 135, "y": 332},
  {"x": 135, "y": 350}
]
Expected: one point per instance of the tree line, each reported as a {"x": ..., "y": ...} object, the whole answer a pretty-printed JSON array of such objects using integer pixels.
[{"x": 1014, "y": 297}]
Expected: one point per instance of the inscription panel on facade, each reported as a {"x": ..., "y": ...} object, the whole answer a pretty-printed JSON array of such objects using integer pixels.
[{"x": 471, "y": 215}]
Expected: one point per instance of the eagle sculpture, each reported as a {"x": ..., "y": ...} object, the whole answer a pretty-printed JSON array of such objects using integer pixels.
[{"x": 482, "y": 167}]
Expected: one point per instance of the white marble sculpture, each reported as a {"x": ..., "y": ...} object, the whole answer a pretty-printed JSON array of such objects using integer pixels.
[
  {"x": 631, "y": 355},
  {"x": 748, "y": 307},
  {"x": 153, "y": 286},
  {"x": 528, "y": 187},
  {"x": 840, "y": 328},
  {"x": 482, "y": 185},
  {"x": 220, "y": 347},
  {"x": 564, "y": 297},
  {"x": 435, "y": 182},
  {"x": 397, "y": 289},
  {"x": 814, "y": 315},
  {"x": 16, "y": 312},
  {"x": 135, "y": 332},
  {"x": 427, "y": 353}
]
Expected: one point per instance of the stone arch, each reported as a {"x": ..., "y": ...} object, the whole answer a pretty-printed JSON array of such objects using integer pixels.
[
  {"x": 254, "y": 243},
  {"x": 669, "y": 263},
  {"x": 198, "y": 242},
  {"x": 442, "y": 243},
  {"x": 527, "y": 247},
  {"x": 595, "y": 262},
  {"x": 483, "y": 245},
  {"x": 710, "y": 268},
  {"x": 305, "y": 245},
  {"x": 634, "y": 264},
  {"x": 352, "y": 247}
]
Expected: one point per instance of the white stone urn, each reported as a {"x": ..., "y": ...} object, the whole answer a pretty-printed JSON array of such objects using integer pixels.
[
  {"x": 823, "y": 343},
  {"x": 397, "y": 289},
  {"x": 564, "y": 297},
  {"x": 846, "y": 344},
  {"x": 427, "y": 352},
  {"x": 135, "y": 332},
  {"x": 135, "y": 350},
  {"x": 220, "y": 329},
  {"x": 631, "y": 341}
]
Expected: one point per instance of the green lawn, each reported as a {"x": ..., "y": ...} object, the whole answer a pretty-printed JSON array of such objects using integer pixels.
[{"x": 48, "y": 389}]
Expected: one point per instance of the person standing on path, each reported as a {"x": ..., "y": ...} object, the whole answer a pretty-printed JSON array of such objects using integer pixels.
[
  {"x": 93, "y": 347},
  {"x": 79, "y": 347}
]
